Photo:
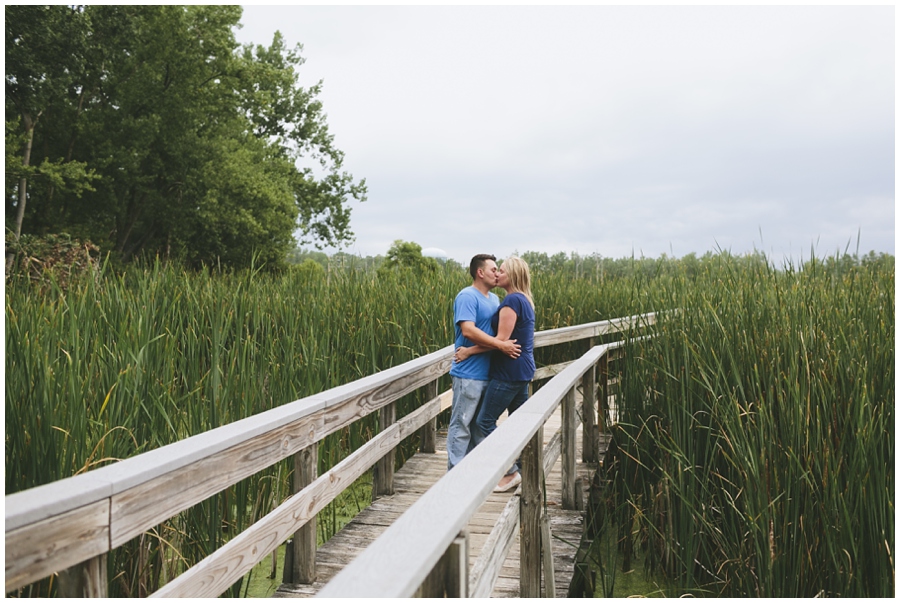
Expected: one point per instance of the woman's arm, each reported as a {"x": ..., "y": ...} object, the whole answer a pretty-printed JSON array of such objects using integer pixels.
[
  {"x": 507, "y": 323},
  {"x": 466, "y": 351}
]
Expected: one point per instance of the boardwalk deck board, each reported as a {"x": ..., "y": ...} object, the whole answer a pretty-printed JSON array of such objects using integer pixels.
[{"x": 421, "y": 472}]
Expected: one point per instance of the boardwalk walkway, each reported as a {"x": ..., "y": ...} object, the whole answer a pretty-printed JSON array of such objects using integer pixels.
[{"x": 420, "y": 473}]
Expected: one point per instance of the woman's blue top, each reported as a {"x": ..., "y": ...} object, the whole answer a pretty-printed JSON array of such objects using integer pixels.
[{"x": 503, "y": 367}]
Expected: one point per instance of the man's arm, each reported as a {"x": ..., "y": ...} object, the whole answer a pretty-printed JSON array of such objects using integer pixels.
[
  {"x": 479, "y": 337},
  {"x": 504, "y": 330}
]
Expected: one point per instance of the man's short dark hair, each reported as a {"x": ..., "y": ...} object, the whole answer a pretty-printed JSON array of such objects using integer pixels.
[{"x": 478, "y": 261}]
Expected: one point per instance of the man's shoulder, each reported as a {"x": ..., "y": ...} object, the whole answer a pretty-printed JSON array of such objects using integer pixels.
[{"x": 466, "y": 296}]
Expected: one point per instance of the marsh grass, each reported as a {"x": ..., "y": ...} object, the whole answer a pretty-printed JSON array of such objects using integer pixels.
[
  {"x": 762, "y": 416},
  {"x": 757, "y": 432},
  {"x": 114, "y": 365}
]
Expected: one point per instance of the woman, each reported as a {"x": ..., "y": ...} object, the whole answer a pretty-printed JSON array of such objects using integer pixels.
[{"x": 509, "y": 377}]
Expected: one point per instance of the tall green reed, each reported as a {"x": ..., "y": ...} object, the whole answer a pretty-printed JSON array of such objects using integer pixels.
[
  {"x": 756, "y": 432},
  {"x": 123, "y": 363}
]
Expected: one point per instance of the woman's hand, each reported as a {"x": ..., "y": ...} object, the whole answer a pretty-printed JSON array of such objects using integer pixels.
[{"x": 462, "y": 353}]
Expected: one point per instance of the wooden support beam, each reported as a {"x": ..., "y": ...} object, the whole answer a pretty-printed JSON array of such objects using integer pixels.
[
  {"x": 568, "y": 450},
  {"x": 457, "y": 560},
  {"x": 428, "y": 433},
  {"x": 532, "y": 501},
  {"x": 383, "y": 476},
  {"x": 212, "y": 576},
  {"x": 547, "y": 556},
  {"x": 588, "y": 415},
  {"x": 487, "y": 566},
  {"x": 603, "y": 399},
  {"x": 85, "y": 580},
  {"x": 78, "y": 536},
  {"x": 303, "y": 561},
  {"x": 450, "y": 576}
]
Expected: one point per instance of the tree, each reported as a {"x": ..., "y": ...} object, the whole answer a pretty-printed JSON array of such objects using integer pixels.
[
  {"x": 193, "y": 146},
  {"x": 43, "y": 49},
  {"x": 406, "y": 255}
]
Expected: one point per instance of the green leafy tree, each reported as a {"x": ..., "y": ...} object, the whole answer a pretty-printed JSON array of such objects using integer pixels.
[
  {"x": 406, "y": 256},
  {"x": 44, "y": 48},
  {"x": 187, "y": 144}
]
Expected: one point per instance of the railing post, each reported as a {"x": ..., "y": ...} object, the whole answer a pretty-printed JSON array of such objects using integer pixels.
[
  {"x": 547, "y": 556},
  {"x": 531, "y": 501},
  {"x": 603, "y": 399},
  {"x": 428, "y": 432},
  {"x": 302, "y": 567},
  {"x": 383, "y": 477},
  {"x": 457, "y": 559},
  {"x": 450, "y": 576},
  {"x": 589, "y": 416},
  {"x": 568, "y": 450},
  {"x": 86, "y": 579}
]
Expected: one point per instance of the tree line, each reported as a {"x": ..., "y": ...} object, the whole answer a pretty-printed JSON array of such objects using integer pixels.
[
  {"x": 148, "y": 130},
  {"x": 407, "y": 255}
]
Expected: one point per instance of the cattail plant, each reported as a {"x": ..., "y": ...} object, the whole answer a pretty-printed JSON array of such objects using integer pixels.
[{"x": 756, "y": 434}]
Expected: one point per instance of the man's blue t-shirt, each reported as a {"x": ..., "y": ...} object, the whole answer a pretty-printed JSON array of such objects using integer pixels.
[
  {"x": 471, "y": 305},
  {"x": 503, "y": 367}
]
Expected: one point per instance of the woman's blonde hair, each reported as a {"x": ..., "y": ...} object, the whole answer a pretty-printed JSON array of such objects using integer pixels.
[{"x": 519, "y": 276}]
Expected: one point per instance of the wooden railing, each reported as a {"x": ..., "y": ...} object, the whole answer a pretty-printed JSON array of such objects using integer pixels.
[{"x": 70, "y": 525}]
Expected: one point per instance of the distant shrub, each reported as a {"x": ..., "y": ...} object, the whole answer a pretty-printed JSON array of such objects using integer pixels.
[{"x": 50, "y": 258}]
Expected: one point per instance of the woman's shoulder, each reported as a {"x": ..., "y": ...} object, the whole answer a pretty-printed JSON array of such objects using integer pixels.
[
  {"x": 515, "y": 300},
  {"x": 519, "y": 302}
]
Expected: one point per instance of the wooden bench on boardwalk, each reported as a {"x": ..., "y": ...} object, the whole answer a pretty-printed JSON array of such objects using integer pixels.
[{"x": 69, "y": 526}]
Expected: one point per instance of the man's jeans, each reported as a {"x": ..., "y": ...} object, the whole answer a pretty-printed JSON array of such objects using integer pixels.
[
  {"x": 500, "y": 396},
  {"x": 462, "y": 435}
]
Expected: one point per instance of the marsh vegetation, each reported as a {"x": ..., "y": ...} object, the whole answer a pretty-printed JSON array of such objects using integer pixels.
[{"x": 755, "y": 440}]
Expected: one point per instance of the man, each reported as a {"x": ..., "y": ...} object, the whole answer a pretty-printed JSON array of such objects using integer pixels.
[{"x": 473, "y": 309}]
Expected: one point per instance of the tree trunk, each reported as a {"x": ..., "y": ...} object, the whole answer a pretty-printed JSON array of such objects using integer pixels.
[{"x": 23, "y": 183}]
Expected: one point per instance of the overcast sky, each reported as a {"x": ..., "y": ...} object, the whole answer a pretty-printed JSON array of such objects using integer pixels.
[{"x": 607, "y": 129}]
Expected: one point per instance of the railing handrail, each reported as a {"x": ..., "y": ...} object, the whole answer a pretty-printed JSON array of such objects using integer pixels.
[
  {"x": 118, "y": 497},
  {"x": 399, "y": 560}
]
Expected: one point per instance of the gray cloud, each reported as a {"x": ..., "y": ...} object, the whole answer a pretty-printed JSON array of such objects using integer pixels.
[{"x": 610, "y": 130}]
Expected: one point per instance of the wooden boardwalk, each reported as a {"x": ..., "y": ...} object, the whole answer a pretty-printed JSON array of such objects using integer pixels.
[{"x": 418, "y": 474}]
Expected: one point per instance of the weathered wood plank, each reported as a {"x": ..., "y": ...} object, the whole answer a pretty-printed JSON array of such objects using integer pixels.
[
  {"x": 154, "y": 486},
  {"x": 548, "y": 372},
  {"x": 457, "y": 559},
  {"x": 532, "y": 503},
  {"x": 172, "y": 463},
  {"x": 216, "y": 573},
  {"x": 426, "y": 530},
  {"x": 304, "y": 542},
  {"x": 429, "y": 431},
  {"x": 566, "y": 527},
  {"x": 589, "y": 415},
  {"x": 85, "y": 580},
  {"x": 568, "y": 449},
  {"x": 142, "y": 507},
  {"x": 594, "y": 329},
  {"x": 496, "y": 548},
  {"x": 547, "y": 557},
  {"x": 602, "y": 394},
  {"x": 349, "y": 403},
  {"x": 54, "y": 544},
  {"x": 383, "y": 471}
]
